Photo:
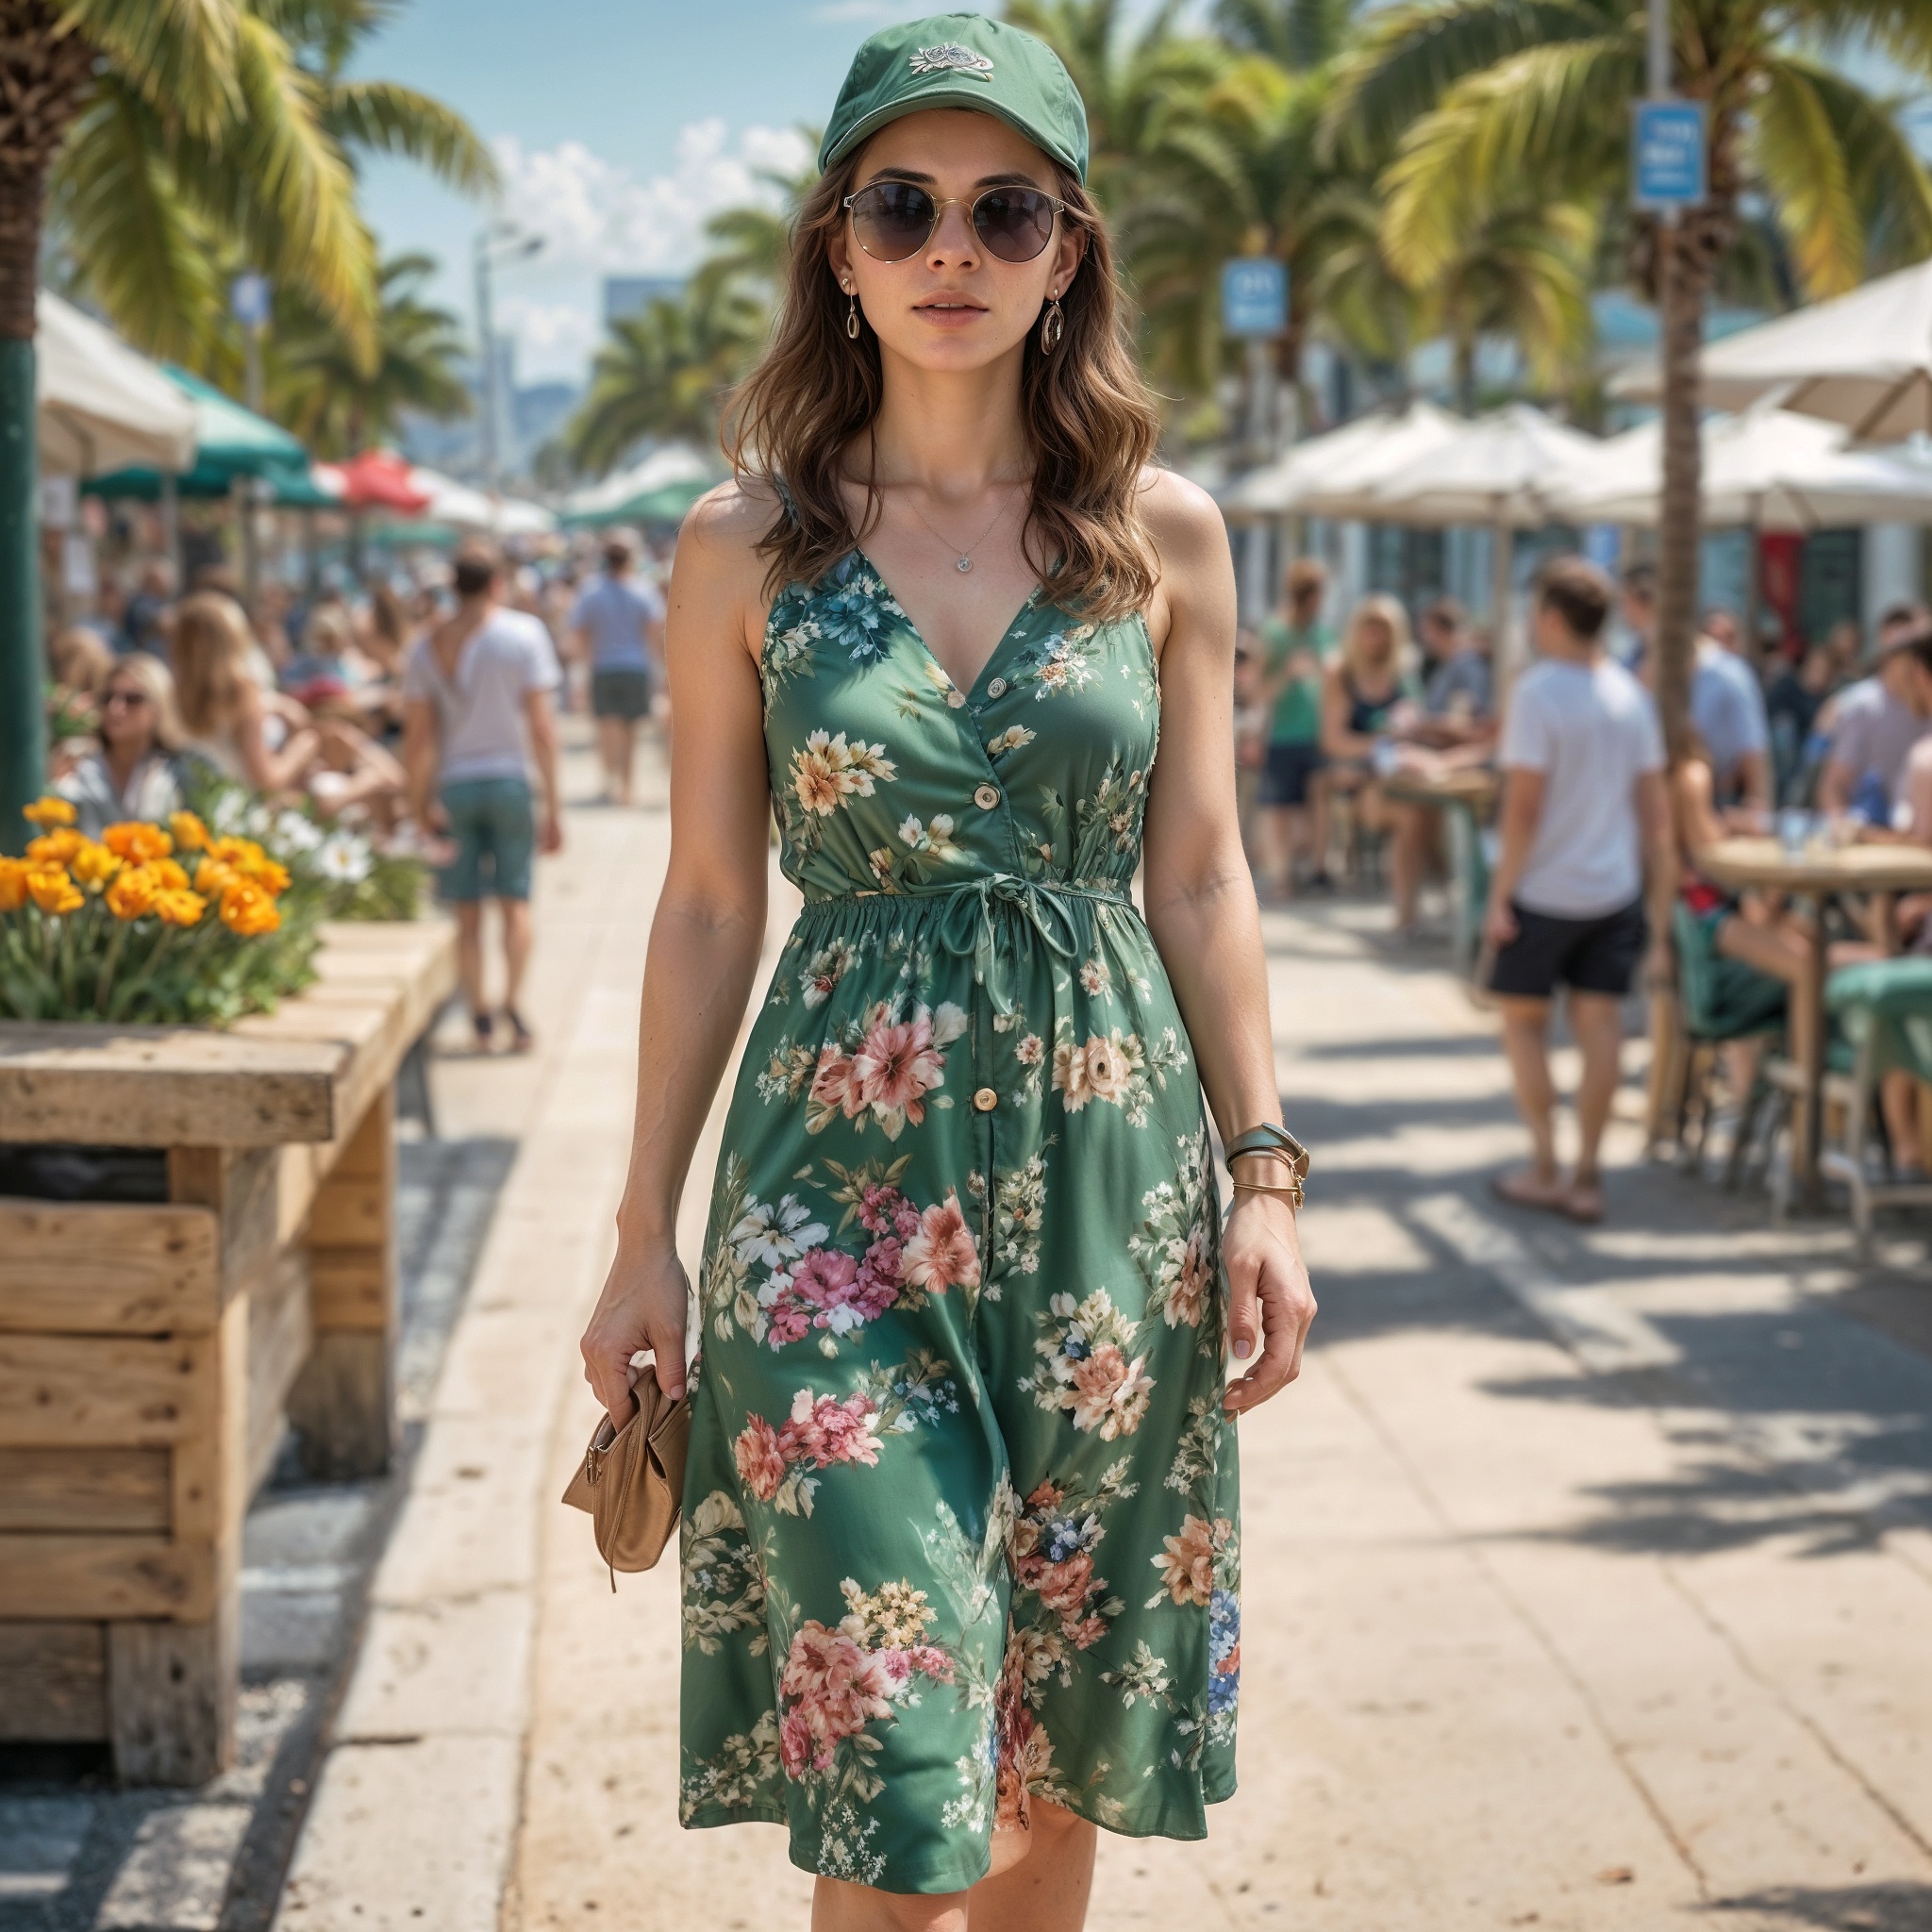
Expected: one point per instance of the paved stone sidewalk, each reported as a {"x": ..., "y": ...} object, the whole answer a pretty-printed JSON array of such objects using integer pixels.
[{"x": 1589, "y": 1573}]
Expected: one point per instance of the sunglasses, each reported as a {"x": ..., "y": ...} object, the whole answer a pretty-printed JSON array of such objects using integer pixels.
[
  {"x": 134, "y": 700},
  {"x": 894, "y": 220}
]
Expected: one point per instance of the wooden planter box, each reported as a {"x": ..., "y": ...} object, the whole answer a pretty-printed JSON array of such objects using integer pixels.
[{"x": 149, "y": 1353}]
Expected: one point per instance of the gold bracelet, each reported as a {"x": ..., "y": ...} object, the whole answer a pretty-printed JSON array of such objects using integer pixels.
[
  {"x": 1293, "y": 1190},
  {"x": 1280, "y": 1154}
]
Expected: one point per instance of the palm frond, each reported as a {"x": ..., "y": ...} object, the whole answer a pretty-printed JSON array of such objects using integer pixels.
[
  {"x": 182, "y": 57},
  {"x": 388, "y": 119}
]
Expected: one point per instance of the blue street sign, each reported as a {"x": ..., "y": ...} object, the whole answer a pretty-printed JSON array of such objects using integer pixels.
[
  {"x": 1254, "y": 296},
  {"x": 1667, "y": 148},
  {"x": 249, "y": 299}
]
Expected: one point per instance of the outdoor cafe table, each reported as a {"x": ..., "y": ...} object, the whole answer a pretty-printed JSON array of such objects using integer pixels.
[
  {"x": 1880, "y": 871},
  {"x": 1466, "y": 796}
]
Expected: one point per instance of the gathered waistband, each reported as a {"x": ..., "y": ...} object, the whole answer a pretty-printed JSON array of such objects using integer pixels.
[{"x": 967, "y": 916}]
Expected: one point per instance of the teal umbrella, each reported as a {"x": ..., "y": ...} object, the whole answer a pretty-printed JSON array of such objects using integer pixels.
[
  {"x": 230, "y": 443},
  {"x": 667, "y": 504}
]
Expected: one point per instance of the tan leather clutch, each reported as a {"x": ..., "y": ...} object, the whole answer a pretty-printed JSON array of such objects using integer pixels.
[{"x": 631, "y": 1480}]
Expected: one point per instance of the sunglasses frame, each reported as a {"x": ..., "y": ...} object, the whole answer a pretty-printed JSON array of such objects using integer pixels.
[{"x": 939, "y": 208}]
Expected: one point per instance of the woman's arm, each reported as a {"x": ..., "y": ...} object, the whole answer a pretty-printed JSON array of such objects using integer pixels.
[
  {"x": 705, "y": 936},
  {"x": 1200, "y": 910},
  {"x": 1338, "y": 740},
  {"x": 267, "y": 771}
]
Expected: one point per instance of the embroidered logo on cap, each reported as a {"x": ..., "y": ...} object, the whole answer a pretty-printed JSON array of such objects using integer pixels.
[{"x": 949, "y": 57}]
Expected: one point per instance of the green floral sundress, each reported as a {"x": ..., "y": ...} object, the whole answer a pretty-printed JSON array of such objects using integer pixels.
[{"x": 961, "y": 1518}]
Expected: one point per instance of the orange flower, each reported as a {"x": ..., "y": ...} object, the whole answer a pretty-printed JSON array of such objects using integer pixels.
[
  {"x": 191, "y": 835},
  {"x": 54, "y": 848},
  {"x": 137, "y": 842},
  {"x": 132, "y": 895},
  {"x": 246, "y": 858},
  {"x": 212, "y": 877},
  {"x": 169, "y": 874},
  {"x": 48, "y": 811},
  {"x": 94, "y": 865},
  {"x": 179, "y": 906},
  {"x": 12, "y": 884},
  {"x": 270, "y": 876},
  {"x": 53, "y": 891},
  {"x": 248, "y": 910}
]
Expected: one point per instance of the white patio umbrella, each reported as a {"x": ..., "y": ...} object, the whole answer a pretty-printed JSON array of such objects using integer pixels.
[
  {"x": 1329, "y": 465},
  {"x": 1505, "y": 471},
  {"x": 676, "y": 462},
  {"x": 451, "y": 501},
  {"x": 1862, "y": 360},
  {"x": 100, "y": 405}
]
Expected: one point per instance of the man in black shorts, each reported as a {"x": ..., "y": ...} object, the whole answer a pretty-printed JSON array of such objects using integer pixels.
[{"x": 1585, "y": 822}]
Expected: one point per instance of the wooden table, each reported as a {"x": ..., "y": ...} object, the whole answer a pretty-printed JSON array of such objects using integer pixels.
[
  {"x": 1466, "y": 796},
  {"x": 149, "y": 1351},
  {"x": 1820, "y": 873}
]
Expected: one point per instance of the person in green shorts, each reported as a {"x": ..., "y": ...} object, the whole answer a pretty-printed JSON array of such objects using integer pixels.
[{"x": 1297, "y": 644}]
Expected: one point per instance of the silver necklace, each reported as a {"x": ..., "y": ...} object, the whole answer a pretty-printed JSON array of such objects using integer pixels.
[{"x": 963, "y": 561}]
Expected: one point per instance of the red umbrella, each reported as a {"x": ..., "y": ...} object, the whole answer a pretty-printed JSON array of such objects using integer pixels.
[{"x": 376, "y": 479}]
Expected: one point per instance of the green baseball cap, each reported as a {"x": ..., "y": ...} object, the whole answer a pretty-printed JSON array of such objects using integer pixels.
[{"x": 961, "y": 60}]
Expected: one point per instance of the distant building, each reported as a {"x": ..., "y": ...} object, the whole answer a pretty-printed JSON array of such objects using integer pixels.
[
  {"x": 628, "y": 296},
  {"x": 538, "y": 412}
]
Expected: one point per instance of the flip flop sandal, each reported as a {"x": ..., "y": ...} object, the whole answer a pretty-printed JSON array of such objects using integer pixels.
[
  {"x": 1526, "y": 1190},
  {"x": 521, "y": 1038},
  {"x": 482, "y": 1025}
]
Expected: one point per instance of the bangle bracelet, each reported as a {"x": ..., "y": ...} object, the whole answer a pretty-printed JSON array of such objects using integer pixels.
[{"x": 1293, "y": 1190}]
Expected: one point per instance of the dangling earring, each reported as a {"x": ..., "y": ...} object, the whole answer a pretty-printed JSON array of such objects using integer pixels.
[
  {"x": 852, "y": 315},
  {"x": 1052, "y": 328}
]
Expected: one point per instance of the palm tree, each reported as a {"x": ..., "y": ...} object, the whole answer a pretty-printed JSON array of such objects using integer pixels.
[
  {"x": 1500, "y": 103},
  {"x": 749, "y": 244},
  {"x": 664, "y": 371},
  {"x": 1295, "y": 34},
  {"x": 337, "y": 402}
]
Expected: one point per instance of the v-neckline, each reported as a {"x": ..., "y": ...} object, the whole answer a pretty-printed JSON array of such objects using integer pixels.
[{"x": 992, "y": 656}]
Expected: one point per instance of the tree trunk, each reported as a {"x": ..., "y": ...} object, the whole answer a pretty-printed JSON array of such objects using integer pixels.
[
  {"x": 1680, "y": 309},
  {"x": 1464, "y": 379},
  {"x": 42, "y": 76}
]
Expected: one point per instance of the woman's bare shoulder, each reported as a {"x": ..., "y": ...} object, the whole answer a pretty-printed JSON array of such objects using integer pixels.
[
  {"x": 1182, "y": 520},
  {"x": 725, "y": 525},
  {"x": 719, "y": 573}
]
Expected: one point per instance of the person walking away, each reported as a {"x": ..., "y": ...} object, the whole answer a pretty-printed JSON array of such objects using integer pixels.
[
  {"x": 619, "y": 622},
  {"x": 1585, "y": 822},
  {"x": 135, "y": 774},
  {"x": 476, "y": 717},
  {"x": 1294, "y": 794},
  {"x": 230, "y": 719},
  {"x": 1874, "y": 725},
  {"x": 967, "y": 1293},
  {"x": 1369, "y": 711},
  {"x": 1726, "y": 701}
]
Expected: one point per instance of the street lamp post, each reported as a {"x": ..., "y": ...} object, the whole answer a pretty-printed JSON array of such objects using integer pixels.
[{"x": 497, "y": 245}]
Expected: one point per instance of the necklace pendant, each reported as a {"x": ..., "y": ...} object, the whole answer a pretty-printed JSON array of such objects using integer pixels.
[{"x": 964, "y": 563}]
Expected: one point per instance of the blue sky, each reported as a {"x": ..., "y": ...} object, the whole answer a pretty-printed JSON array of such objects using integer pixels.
[{"x": 620, "y": 126}]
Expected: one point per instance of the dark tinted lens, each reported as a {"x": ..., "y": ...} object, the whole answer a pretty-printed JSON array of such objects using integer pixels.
[
  {"x": 1014, "y": 223},
  {"x": 891, "y": 220}
]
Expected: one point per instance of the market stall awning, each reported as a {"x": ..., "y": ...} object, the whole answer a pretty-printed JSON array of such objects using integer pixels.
[
  {"x": 460, "y": 505},
  {"x": 1768, "y": 469},
  {"x": 374, "y": 479},
  {"x": 1510, "y": 469},
  {"x": 232, "y": 445},
  {"x": 99, "y": 405},
  {"x": 1338, "y": 466},
  {"x": 659, "y": 490},
  {"x": 1862, "y": 360}
]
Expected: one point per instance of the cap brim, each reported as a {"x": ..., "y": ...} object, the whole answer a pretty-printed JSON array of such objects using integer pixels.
[{"x": 970, "y": 95}]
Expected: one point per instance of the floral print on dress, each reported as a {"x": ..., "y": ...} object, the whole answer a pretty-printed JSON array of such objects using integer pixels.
[{"x": 963, "y": 1236}]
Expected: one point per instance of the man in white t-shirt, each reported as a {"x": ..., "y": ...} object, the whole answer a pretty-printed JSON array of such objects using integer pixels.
[
  {"x": 477, "y": 721},
  {"x": 1585, "y": 818}
]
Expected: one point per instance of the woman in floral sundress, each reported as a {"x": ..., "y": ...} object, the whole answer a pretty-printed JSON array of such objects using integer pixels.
[{"x": 960, "y": 1539}]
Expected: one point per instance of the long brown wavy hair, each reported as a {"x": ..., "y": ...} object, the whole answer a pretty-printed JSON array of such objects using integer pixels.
[{"x": 1090, "y": 423}]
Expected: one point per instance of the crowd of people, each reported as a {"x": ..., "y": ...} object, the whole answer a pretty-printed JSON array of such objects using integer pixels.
[
  {"x": 1594, "y": 861},
  {"x": 420, "y": 707}
]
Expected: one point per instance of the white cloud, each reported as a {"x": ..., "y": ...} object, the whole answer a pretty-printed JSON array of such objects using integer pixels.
[{"x": 595, "y": 216}]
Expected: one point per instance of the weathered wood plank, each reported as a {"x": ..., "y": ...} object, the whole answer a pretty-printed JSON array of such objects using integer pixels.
[
  {"x": 211, "y": 1466},
  {"x": 106, "y": 1577},
  {"x": 342, "y": 1405},
  {"x": 243, "y": 1186},
  {"x": 350, "y": 1288},
  {"x": 98, "y": 1391},
  {"x": 53, "y": 1682},
  {"x": 171, "y": 1697},
  {"x": 349, "y": 1212},
  {"x": 106, "y": 1268},
  {"x": 84, "y": 1490},
  {"x": 164, "y": 1087},
  {"x": 280, "y": 1334}
]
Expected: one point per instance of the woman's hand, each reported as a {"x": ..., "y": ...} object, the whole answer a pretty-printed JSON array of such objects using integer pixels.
[
  {"x": 1269, "y": 1291},
  {"x": 644, "y": 1304}
]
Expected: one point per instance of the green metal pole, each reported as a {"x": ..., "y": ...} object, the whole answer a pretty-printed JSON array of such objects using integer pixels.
[{"x": 22, "y": 675}]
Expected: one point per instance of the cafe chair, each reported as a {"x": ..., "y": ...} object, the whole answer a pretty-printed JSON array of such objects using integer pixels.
[
  {"x": 1717, "y": 1001},
  {"x": 1885, "y": 1009}
]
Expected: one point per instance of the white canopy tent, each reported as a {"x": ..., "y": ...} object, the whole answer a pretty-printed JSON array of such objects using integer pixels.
[
  {"x": 101, "y": 406},
  {"x": 1862, "y": 360},
  {"x": 1336, "y": 468},
  {"x": 451, "y": 501},
  {"x": 676, "y": 462}
]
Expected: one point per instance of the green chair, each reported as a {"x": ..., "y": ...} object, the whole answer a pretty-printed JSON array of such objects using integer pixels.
[
  {"x": 1885, "y": 1009},
  {"x": 1718, "y": 1000}
]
